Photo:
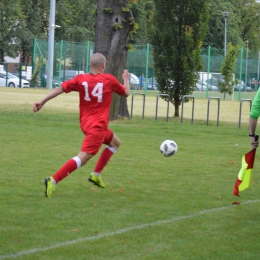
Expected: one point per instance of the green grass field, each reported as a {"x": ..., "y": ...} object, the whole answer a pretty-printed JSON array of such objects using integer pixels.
[{"x": 152, "y": 207}]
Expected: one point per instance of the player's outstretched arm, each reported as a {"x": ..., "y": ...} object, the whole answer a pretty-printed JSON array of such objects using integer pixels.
[
  {"x": 56, "y": 92},
  {"x": 252, "y": 128},
  {"x": 126, "y": 78}
]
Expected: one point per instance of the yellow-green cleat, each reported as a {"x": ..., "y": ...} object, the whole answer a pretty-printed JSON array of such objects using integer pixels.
[
  {"x": 49, "y": 187},
  {"x": 97, "y": 180}
]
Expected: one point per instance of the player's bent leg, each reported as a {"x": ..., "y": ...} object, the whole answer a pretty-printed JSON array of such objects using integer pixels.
[
  {"x": 111, "y": 148},
  {"x": 84, "y": 157},
  {"x": 115, "y": 142},
  {"x": 70, "y": 166},
  {"x": 94, "y": 178}
]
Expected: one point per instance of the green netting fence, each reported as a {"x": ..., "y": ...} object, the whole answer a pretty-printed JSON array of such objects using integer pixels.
[{"x": 71, "y": 58}]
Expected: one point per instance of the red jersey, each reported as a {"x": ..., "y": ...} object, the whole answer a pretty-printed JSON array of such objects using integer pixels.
[{"x": 95, "y": 97}]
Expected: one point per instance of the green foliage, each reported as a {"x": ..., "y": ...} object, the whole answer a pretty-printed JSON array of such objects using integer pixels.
[
  {"x": 178, "y": 31},
  {"x": 215, "y": 35},
  {"x": 77, "y": 19},
  {"x": 228, "y": 69},
  {"x": 28, "y": 19},
  {"x": 125, "y": 9},
  {"x": 142, "y": 12},
  {"x": 242, "y": 23},
  {"x": 108, "y": 10},
  {"x": 248, "y": 22},
  {"x": 135, "y": 27},
  {"x": 130, "y": 47},
  {"x": 35, "y": 75},
  {"x": 10, "y": 19},
  {"x": 94, "y": 11},
  {"x": 117, "y": 26},
  {"x": 34, "y": 25}
]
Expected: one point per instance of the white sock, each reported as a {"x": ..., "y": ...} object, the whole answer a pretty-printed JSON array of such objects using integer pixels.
[
  {"x": 112, "y": 149},
  {"x": 53, "y": 181}
]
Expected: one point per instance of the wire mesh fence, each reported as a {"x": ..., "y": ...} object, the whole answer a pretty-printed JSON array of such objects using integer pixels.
[{"x": 71, "y": 58}]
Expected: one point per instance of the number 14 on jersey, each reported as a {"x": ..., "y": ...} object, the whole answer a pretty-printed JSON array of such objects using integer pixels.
[{"x": 96, "y": 92}]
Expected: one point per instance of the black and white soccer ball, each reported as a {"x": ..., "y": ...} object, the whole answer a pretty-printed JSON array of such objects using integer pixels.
[{"x": 168, "y": 148}]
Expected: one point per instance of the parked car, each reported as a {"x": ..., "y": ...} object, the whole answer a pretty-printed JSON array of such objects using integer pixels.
[
  {"x": 10, "y": 80},
  {"x": 62, "y": 79},
  {"x": 18, "y": 75},
  {"x": 201, "y": 87},
  {"x": 42, "y": 82},
  {"x": 69, "y": 73},
  {"x": 151, "y": 87},
  {"x": 248, "y": 89},
  {"x": 134, "y": 81},
  {"x": 210, "y": 86},
  {"x": 153, "y": 81},
  {"x": 242, "y": 88},
  {"x": 213, "y": 87},
  {"x": 56, "y": 82},
  {"x": 214, "y": 82}
]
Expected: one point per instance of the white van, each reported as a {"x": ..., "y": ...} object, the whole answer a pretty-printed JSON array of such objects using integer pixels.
[{"x": 134, "y": 81}]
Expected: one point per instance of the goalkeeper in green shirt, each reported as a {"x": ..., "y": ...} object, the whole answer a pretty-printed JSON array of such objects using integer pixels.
[{"x": 253, "y": 118}]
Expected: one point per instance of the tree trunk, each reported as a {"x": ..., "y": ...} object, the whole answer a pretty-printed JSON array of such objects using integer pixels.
[
  {"x": 123, "y": 109},
  {"x": 177, "y": 109},
  {"x": 2, "y": 57},
  {"x": 24, "y": 54},
  {"x": 113, "y": 25}
]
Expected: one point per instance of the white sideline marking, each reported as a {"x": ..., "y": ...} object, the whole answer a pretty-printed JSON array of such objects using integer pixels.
[{"x": 120, "y": 231}]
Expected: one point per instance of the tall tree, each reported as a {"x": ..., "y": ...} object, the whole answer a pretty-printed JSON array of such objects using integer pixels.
[
  {"x": 228, "y": 69},
  {"x": 242, "y": 23},
  {"x": 113, "y": 25},
  {"x": 179, "y": 29},
  {"x": 215, "y": 35},
  {"x": 76, "y": 19},
  {"x": 248, "y": 12},
  {"x": 10, "y": 20},
  {"x": 142, "y": 12},
  {"x": 34, "y": 25}
]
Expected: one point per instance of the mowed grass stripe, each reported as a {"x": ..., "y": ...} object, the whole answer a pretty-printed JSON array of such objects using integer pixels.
[{"x": 120, "y": 231}]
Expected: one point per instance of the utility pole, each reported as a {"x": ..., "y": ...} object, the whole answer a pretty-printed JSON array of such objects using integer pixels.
[
  {"x": 51, "y": 44},
  {"x": 246, "y": 63},
  {"x": 225, "y": 13}
]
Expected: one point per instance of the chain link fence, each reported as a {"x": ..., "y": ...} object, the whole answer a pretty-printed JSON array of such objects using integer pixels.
[{"x": 72, "y": 58}]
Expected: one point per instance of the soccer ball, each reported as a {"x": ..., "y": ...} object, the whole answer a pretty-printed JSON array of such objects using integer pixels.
[{"x": 168, "y": 148}]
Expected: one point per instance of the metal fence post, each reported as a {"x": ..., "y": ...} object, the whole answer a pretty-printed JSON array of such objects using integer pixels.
[
  {"x": 182, "y": 102},
  {"x": 217, "y": 98},
  {"x": 240, "y": 109},
  {"x": 20, "y": 74},
  {"x": 137, "y": 93},
  {"x": 168, "y": 101}
]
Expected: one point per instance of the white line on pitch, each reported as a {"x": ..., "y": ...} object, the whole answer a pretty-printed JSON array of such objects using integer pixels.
[{"x": 120, "y": 231}]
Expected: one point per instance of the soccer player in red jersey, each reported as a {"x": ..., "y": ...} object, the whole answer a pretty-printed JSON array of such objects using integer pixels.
[{"x": 95, "y": 96}]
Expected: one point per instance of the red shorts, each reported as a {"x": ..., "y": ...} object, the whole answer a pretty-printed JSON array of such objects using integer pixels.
[{"x": 94, "y": 138}]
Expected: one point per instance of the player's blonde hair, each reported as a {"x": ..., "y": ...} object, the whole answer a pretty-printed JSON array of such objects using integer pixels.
[{"x": 97, "y": 60}]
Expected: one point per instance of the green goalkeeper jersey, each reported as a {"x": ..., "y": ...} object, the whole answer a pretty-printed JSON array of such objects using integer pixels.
[{"x": 255, "y": 110}]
